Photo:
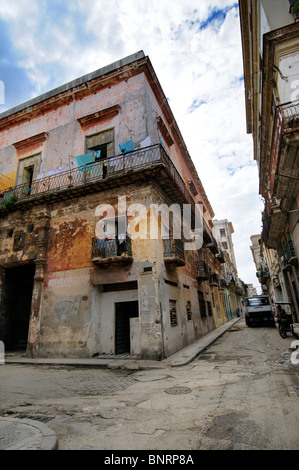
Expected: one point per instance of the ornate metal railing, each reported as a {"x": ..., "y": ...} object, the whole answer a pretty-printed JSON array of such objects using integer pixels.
[
  {"x": 174, "y": 249},
  {"x": 214, "y": 280},
  {"x": 288, "y": 252},
  {"x": 213, "y": 245},
  {"x": 112, "y": 167},
  {"x": 286, "y": 119},
  {"x": 202, "y": 270},
  {"x": 103, "y": 249}
]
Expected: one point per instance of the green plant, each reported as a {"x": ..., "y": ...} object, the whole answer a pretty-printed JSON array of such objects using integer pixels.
[
  {"x": 10, "y": 201},
  {"x": 295, "y": 9}
]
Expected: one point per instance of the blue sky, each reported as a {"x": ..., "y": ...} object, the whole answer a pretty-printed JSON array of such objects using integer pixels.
[{"x": 195, "y": 48}]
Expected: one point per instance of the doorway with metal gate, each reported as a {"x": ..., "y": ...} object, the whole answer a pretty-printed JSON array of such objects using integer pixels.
[
  {"x": 16, "y": 306},
  {"x": 123, "y": 312}
]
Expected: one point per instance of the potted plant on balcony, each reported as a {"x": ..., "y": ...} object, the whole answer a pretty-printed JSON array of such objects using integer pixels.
[{"x": 295, "y": 11}]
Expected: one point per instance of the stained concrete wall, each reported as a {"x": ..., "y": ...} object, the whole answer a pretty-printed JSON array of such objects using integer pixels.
[{"x": 68, "y": 309}]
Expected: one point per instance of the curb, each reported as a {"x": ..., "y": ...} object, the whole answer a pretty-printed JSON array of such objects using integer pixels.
[
  {"x": 216, "y": 334},
  {"x": 26, "y": 434},
  {"x": 178, "y": 359}
]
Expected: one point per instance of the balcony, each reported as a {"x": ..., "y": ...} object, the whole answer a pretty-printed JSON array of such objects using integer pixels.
[
  {"x": 138, "y": 166},
  {"x": 214, "y": 280},
  {"x": 223, "y": 284},
  {"x": 116, "y": 251},
  {"x": 286, "y": 122},
  {"x": 263, "y": 274},
  {"x": 213, "y": 246},
  {"x": 289, "y": 255},
  {"x": 174, "y": 254},
  {"x": 274, "y": 223},
  {"x": 202, "y": 271},
  {"x": 220, "y": 257}
]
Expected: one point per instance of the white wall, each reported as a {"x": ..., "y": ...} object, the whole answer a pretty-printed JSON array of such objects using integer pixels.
[
  {"x": 102, "y": 334},
  {"x": 277, "y": 13},
  {"x": 288, "y": 88}
]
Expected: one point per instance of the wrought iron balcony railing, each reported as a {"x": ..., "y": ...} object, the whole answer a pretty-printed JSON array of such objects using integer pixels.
[
  {"x": 289, "y": 253},
  {"x": 263, "y": 273},
  {"x": 214, "y": 280},
  {"x": 75, "y": 181},
  {"x": 174, "y": 251},
  {"x": 286, "y": 119},
  {"x": 202, "y": 271},
  {"x": 223, "y": 283},
  {"x": 115, "y": 250},
  {"x": 220, "y": 256},
  {"x": 213, "y": 246}
]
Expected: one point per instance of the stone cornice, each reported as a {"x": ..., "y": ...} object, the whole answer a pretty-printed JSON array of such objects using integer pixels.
[
  {"x": 30, "y": 142},
  {"x": 98, "y": 117}
]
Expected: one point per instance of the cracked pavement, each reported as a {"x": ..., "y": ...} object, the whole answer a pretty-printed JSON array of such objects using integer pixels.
[{"x": 241, "y": 393}]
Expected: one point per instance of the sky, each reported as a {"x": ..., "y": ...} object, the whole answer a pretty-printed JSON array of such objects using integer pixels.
[{"x": 195, "y": 49}]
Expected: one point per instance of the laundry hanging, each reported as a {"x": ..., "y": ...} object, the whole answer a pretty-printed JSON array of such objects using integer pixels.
[
  {"x": 83, "y": 160},
  {"x": 127, "y": 146}
]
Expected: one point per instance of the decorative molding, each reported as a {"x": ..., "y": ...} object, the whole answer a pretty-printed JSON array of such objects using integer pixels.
[
  {"x": 99, "y": 116},
  {"x": 31, "y": 142},
  {"x": 164, "y": 131}
]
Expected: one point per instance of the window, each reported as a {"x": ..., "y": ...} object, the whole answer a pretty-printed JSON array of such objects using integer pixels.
[
  {"x": 222, "y": 232},
  {"x": 224, "y": 245},
  {"x": 210, "y": 311},
  {"x": 257, "y": 301},
  {"x": 202, "y": 304},
  {"x": 173, "y": 313},
  {"x": 101, "y": 145},
  {"x": 188, "y": 311},
  {"x": 28, "y": 169},
  {"x": 120, "y": 286}
]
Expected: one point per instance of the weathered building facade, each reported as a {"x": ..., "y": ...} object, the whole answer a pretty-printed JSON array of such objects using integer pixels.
[
  {"x": 86, "y": 266},
  {"x": 270, "y": 37},
  {"x": 233, "y": 291}
]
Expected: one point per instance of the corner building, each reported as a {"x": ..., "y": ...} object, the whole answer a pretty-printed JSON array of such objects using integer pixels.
[{"x": 77, "y": 164}]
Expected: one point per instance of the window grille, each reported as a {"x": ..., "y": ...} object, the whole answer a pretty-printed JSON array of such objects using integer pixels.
[
  {"x": 188, "y": 310},
  {"x": 173, "y": 313},
  {"x": 120, "y": 286},
  {"x": 202, "y": 304},
  {"x": 210, "y": 311}
]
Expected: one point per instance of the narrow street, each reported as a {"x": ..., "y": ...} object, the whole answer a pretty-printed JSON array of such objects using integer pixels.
[{"x": 240, "y": 394}]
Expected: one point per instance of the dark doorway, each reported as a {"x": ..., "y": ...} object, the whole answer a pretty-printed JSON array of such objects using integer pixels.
[
  {"x": 123, "y": 312},
  {"x": 16, "y": 307}
]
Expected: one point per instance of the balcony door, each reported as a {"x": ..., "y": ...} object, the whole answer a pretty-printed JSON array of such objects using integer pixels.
[{"x": 28, "y": 169}]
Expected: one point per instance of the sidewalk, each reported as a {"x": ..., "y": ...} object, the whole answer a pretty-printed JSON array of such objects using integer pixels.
[
  {"x": 25, "y": 434},
  {"x": 180, "y": 358}
]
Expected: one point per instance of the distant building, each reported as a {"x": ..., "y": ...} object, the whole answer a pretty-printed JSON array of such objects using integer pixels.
[
  {"x": 224, "y": 230},
  {"x": 233, "y": 291},
  {"x": 251, "y": 291}
]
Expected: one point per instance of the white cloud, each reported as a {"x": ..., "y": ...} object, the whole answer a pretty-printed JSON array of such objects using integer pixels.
[{"x": 195, "y": 48}]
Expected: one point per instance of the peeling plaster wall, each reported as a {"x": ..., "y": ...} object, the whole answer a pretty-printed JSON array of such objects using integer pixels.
[
  {"x": 71, "y": 315},
  {"x": 65, "y": 138},
  {"x": 65, "y": 317}
]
